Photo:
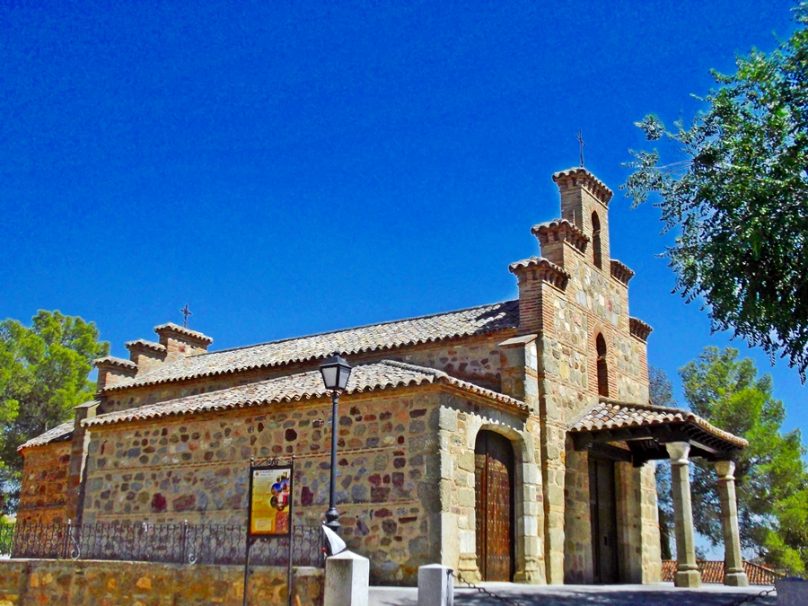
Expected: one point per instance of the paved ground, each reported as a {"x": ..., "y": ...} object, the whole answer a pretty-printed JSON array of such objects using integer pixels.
[{"x": 662, "y": 594}]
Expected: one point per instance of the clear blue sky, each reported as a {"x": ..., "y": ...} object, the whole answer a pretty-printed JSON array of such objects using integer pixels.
[{"x": 288, "y": 169}]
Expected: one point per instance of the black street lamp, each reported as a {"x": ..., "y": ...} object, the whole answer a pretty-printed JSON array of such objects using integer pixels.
[{"x": 335, "y": 371}]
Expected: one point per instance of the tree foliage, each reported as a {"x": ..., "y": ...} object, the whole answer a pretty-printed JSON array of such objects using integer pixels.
[
  {"x": 740, "y": 198},
  {"x": 661, "y": 394},
  {"x": 44, "y": 372},
  {"x": 771, "y": 477}
]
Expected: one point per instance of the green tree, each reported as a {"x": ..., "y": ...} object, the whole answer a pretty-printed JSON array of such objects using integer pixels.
[
  {"x": 771, "y": 477},
  {"x": 43, "y": 374},
  {"x": 740, "y": 198},
  {"x": 661, "y": 394}
]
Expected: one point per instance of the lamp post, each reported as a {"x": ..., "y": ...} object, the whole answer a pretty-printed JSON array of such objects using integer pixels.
[{"x": 335, "y": 371}]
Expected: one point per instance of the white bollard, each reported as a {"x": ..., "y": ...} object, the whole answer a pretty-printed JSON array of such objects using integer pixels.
[
  {"x": 435, "y": 585},
  {"x": 347, "y": 579},
  {"x": 791, "y": 592}
]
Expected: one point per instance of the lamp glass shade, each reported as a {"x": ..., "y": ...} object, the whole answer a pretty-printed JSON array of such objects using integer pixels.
[{"x": 335, "y": 372}]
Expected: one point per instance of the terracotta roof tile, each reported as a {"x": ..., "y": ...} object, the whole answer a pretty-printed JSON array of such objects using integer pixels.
[
  {"x": 377, "y": 337},
  {"x": 116, "y": 362},
  {"x": 193, "y": 334},
  {"x": 548, "y": 271},
  {"x": 712, "y": 571},
  {"x": 143, "y": 343},
  {"x": 610, "y": 414},
  {"x": 387, "y": 374},
  {"x": 639, "y": 329},
  {"x": 560, "y": 229},
  {"x": 620, "y": 271},
  {"x": 595, "y": 185},
  {"x": 57, "y": 434}
]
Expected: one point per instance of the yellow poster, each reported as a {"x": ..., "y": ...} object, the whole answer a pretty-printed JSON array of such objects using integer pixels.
[{"x": 270, "y": 501}]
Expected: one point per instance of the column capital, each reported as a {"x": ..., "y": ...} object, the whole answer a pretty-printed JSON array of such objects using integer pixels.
[
  {"x": 678, "y": 452},
  {"x": 725, "y": 470}
]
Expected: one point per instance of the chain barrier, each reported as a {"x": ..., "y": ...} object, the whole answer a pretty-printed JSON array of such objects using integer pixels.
[
  {"x": 748, "y": 599},
  {"x": 486, "y": 592}
]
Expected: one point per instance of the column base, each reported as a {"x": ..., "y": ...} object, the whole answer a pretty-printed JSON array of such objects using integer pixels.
[
  {"x": 687, "y": 578},
  {"x": 736, "y": 579},
  {"x": 529, "y": 577},
  {"x": 468, "y": 569}
]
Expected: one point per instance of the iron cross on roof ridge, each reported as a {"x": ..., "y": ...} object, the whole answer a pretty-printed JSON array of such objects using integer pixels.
[{"x": 186, "y": 313}]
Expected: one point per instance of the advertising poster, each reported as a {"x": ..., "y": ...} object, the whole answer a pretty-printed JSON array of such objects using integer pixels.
[{"x": 270, "y": 500}]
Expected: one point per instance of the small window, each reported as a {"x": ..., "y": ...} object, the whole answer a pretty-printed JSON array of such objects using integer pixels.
[
  {"x": 596, "y": 253},
  {"x": 603, "y": 370}
]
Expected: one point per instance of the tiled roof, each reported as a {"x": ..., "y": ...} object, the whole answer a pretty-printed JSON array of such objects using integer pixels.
[
  {"x": 116, "y": 362},
  {"x": 376, "y": 376},
  {"x": 378, "y": 337},
  {"x": 176, "y": 328},
  {"x": 609, "y": 414},
  {"x": 58, "y": 433},
  {"x": 143, "y": 343},
  {"x": 712, "y": 571}
]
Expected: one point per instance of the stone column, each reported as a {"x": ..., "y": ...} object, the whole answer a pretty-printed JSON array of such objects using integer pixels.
[
  {"x": 734, "y": 573},
  {"x": 687, "y": 573}
]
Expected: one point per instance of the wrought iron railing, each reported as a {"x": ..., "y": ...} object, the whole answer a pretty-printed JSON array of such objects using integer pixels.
[{"x": 171, "y": 543}]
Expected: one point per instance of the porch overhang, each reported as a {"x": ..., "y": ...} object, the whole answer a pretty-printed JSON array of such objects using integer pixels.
[{"x": 639, "y": 432}]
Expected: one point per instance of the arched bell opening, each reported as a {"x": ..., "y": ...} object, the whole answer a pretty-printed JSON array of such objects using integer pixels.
[
  {"x": 602, "y": 367},
  {"x": 597, "y": 254}
]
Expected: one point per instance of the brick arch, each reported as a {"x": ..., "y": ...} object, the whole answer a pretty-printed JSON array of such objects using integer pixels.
[{"x": 607, "y": 332}]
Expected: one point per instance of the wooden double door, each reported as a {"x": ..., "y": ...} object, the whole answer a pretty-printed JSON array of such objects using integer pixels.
[
  {"x": 494, "y": 482},
  {"x": 603, "y": 516}
]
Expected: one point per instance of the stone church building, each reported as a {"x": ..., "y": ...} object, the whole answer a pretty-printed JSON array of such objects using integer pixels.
[{"x": 512, "y": 441}]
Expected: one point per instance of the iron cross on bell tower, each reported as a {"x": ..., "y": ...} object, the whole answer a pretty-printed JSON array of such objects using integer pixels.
[
  {"x": 186, "y": 313},
  {"x": 580, "y": 138}
]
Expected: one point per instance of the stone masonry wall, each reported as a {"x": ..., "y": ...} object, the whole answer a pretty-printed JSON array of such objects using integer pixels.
[
  {"x": 592, "y": 303},
  {"x": 649, "y": 512},
  {"x": 578, "y": 562},
  {"x": 195, "y": 468},
  {"x": 108, "y": 583},
  {"x": 44, "y": 484}
]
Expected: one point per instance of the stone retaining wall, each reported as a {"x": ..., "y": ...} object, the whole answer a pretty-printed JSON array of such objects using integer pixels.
[{"x": 107, "y": 583}]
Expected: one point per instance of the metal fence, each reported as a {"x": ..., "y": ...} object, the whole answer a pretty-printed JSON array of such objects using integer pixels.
[{"x": 171, "y": 543}]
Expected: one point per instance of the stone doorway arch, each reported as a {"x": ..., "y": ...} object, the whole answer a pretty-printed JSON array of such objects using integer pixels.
[{"x": 494, "y": 475}]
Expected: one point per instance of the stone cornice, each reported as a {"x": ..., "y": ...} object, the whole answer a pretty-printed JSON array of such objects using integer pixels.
[
  {"x": 563, "y": 231},
  {"x": 541, "y": 269},
  {"x": 621, "y": 272},
  {"x": 580, "y": 176}
]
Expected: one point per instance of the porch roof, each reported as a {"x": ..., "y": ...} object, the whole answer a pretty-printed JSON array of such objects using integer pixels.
[{"x": 646, "y": 429}]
